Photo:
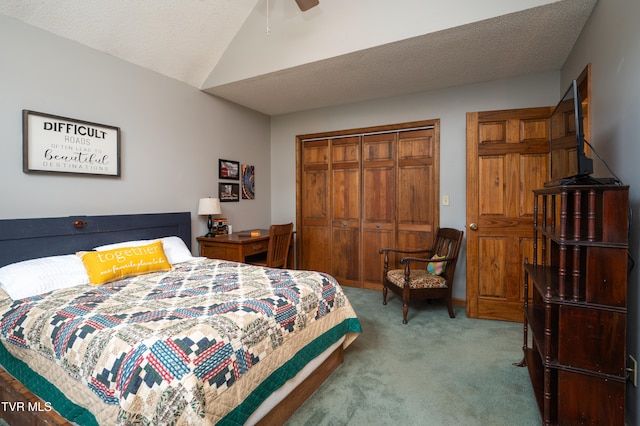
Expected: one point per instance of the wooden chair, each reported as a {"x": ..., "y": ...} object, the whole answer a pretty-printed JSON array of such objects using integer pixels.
[
  {"x": 278, "y": 250},
  {"x": 424, "y": 278}
]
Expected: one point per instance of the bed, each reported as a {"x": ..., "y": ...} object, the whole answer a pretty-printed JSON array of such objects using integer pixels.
[{"x": 189, "y": 341}]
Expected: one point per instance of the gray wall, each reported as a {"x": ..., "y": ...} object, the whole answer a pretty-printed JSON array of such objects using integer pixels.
[
  {"x": 448, "y": 105},
  {"x": 611, "y": 42},
  {"x": 172, "y": 134}
]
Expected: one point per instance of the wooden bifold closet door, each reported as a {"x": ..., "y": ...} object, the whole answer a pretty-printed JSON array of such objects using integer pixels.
[{"x": 360, "y": 190}]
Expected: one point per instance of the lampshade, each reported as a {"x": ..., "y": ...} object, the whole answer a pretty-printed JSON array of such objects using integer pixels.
[{"x": 209, "y": 206}]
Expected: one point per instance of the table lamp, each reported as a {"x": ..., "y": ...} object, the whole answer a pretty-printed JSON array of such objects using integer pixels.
[{"x": 209, "y": 206}]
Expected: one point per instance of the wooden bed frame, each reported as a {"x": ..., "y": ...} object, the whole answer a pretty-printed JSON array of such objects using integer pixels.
[
  {"x": 23, "y": 239},
  {"x": 13, "y": 391}
]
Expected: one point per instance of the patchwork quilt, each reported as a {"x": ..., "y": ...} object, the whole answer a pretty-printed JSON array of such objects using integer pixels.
[{"x": 201, "y": 344}]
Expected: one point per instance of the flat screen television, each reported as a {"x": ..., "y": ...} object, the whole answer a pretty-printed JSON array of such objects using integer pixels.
[{"x": 569, "y": 163}]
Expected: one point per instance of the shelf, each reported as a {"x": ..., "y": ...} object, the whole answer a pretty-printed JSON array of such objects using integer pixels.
[
  {"x": 536, "y": 374},
  {"x": 583, "y": 214},
  {"x": 551, "y": 190},
  {"x": 553, "y": 234},
  {"x": 575, "y": 307},
  {"x": 535, "y": 320},
  {"x": 545, "y": 280}
]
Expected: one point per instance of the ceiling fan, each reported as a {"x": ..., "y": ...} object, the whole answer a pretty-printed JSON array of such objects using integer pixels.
[{"x": 307, "y": 4}]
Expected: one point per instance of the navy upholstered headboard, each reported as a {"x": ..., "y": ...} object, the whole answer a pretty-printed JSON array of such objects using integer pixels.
[{"x": 22, "y": 239}]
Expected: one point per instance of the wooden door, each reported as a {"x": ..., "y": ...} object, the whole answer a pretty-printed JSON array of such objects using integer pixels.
[
  {"x": 345, "y": 207},
  {"x": 418, "y": 188},
  {"x": 314, "y": 215},
  {"x": 400, "y": 196},
  {"x": 507, "y": 157},
  {"x": 378, "y": 206}
]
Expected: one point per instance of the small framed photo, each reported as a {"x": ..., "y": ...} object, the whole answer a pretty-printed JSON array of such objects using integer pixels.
[
  {"x": 228, "y": 169},
  {"x": 228, "y": 191},
  {"x": 54, "y": 144}
]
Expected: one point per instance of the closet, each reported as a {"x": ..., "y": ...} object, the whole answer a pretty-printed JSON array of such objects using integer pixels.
[{"x": 363, "y": 189}]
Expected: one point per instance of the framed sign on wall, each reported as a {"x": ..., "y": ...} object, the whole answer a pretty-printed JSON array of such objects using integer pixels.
[{"x": 54, "y": 144}]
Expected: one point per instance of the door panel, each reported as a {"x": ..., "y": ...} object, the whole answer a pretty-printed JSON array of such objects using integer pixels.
[
  {"x": 492, "y": 269},
  {"x": 345, "y": 242},
  {"x": 345, "y": 202},
  {"x": 315, "y": 239},
  {"x": 378, "y": 208},
  {"x": 491, "y": 186},
  {"x": 418, "y": 189},
  {"x": 313, "y": 229},
  {"x": 372, "y": 262},
  {"x": 507, "y": 157}
]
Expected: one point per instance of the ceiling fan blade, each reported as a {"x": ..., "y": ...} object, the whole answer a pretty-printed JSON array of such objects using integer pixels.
[{"x": 307, "y": 4}]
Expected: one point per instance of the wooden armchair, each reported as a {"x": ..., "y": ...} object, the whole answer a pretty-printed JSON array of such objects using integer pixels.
[
  {"x": 278, "y": 250},
  {"x": 424, "y": 277}
]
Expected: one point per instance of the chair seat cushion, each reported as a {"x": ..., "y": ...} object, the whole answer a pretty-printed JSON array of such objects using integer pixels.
[{"x": 418, "y": 279}]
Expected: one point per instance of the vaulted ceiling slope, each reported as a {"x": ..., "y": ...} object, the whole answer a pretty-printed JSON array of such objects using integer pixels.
[{"x": 269, "y": 56}]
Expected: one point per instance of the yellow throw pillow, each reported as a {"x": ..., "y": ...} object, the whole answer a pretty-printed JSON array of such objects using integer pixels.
[{"x": 111, "y": 265}]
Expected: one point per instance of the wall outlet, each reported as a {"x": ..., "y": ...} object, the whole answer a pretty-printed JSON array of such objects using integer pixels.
[{"x": 633, "y": 371}]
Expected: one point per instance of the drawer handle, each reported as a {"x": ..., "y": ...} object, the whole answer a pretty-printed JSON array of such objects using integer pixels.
[{"x": 257, "y": 247}]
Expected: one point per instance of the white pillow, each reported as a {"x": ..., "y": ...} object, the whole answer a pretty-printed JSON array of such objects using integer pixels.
[
  {"x": 42, "y": 275},
  {"x": 174, "y": 248}
]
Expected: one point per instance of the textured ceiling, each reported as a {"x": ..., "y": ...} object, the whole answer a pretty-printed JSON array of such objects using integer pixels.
[
  {"x": 187, "y": 42},
  {"x": 183, "y": 40}
]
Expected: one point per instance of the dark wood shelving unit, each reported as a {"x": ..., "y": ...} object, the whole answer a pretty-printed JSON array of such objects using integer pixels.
[{"x": 575, "y": 305}]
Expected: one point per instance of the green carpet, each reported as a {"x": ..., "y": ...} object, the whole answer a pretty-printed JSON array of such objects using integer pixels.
[{"x": 432, "y": 371}]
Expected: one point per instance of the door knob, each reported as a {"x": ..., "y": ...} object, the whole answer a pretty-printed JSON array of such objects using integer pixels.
[{"x": 473, "y": 226}]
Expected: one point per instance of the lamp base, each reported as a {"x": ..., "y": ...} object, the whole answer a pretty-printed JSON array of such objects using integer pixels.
[{"x": 210, "y": 234}]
